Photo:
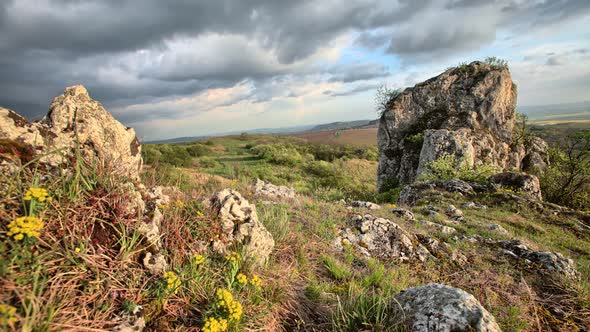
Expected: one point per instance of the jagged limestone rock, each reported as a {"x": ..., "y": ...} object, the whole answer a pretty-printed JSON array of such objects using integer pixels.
[
  {"x": 365, "y": 205},
  {"x": 155, "y": 263},
  {"x": 379, "y": 237},
  {"x": 441, "y": 308},
  {"x": 520, "y": 182},
  {"x": 550, "y": 263},
  {"x": 239, "y": 222},
  {"x": 267, "y": 189},
  {"x": 76, "y": 123},
  {"x": 466, "y": 112}
]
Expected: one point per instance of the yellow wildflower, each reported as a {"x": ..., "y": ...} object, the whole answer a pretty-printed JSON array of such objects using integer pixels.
[
  {"x": 77, "y": 249},
  {"x": 179, "y": 203},
  {"x": 163, "y": 206},
  {"x": 199, "y": 259},
  {"x": 256, "y": 282},
  {"x": 7, "y": 315},
  {"x": 242, "y": 279},
  {"x": 39, "y": 194},
  {"x": 29, "y": 226},
  {"x": 215, "y": 325},
  {"x": 232, "y": 257},
  {"x": 172, "y": 281},
  {"x": 226, "y": 302}
]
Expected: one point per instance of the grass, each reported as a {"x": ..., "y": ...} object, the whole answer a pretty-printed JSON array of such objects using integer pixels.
[{"x": 85, "y": 271}]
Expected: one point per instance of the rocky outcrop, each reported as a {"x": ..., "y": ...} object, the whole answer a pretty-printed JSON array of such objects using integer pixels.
[
  {"x": 547, "y": 262},
  {"x": 267, "y": 189},
  {"x": 520, "y": 182},
  {"x": 379, "y": 237},
  {"x": 77, "y": 124},
  {"x": 441, "y": 308},
  {"x": 239, "y": 224},
  {"x": 467, "y": 112},
  {"x": 412, "y": 193}
]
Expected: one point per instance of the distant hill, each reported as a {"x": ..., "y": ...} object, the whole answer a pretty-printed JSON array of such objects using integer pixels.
[{"x": 341, "y": 125}]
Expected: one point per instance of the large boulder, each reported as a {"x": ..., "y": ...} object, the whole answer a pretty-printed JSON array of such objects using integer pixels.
[
  {"x": 468, "y": 112},
  {"x": 380, "y": 237},
  {"x": 521, "y": 182},
  {"x": 547, "y": 262},
  {"x": 441, "y": 308},
  {"x": 240, "y": 225},
  {"x": 77, "y": 124}
]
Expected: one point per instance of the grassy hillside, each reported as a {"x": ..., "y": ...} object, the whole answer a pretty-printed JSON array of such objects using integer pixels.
[{"x": 60, "y": 281}]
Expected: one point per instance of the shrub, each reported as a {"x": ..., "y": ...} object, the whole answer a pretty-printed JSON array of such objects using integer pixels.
[
  {"x": 449, "y": 167},
  {"x": 278, "y": 154},
  {"x": 566, "y": 180},
  {"x": 384, "y": 97},
  {"x": 496, "y": 63}
]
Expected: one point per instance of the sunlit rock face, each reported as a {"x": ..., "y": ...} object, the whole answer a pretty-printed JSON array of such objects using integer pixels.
[{"x": 468, "y": 112}]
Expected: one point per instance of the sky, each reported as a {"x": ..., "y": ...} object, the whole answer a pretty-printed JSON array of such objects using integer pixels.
[{"x": 173, "y": 68}]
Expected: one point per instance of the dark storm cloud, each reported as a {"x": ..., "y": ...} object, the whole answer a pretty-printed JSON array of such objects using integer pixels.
[
  {"x": 355, "y": 90},
  {"x": 134, "y": 51},
  {"x": 358, "y": 72}
]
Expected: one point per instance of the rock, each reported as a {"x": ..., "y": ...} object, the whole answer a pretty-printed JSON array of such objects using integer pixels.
[
  {"x": 521, "y": 182},
  {"x": 441, "y": 308},
  {"x": 157, "y": 197},
  {"x": 403, "y": 213},
  {"x": 416, "y": 191},
  {"x": 498, "y": 229},
  {"x": 473, "y": 205},
  {"x": 156, "y": 264},
  {"x": 379, "y": 237},
  {"x": 239, "y": 222},
  {"x": 430, "y": 210},
  {"x": 268, "y": 189},
  {"x": 454, "y": 213},
  {"x": 535, "y": 160},
  {"x": 465, "y": 112},
  {"x": 365, "y": 205},
  {"x": 550, "y": 263},
  {"x": 438, "y": 227},
  {"x": 151, "y": 230},
  {"x": 131, "y": 324},
  {"x": 76, "y": 124}
]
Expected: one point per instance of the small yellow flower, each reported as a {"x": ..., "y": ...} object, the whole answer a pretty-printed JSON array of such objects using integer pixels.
[
  {"x": 255, "y": 281},
  {"x": 242, "y": 279},
  {"x": 199, "y": 214},
  {"x": 163, "y": 206},
  {"x": 226, "y": 302},
  {"x": 7, "y": 315},
  {"x": 232, "y": 257},
  {"x": 39, "y": 194},
  {"x": 215, "y": 325},
  {"x": 172, "y": 282},
  {"x": 77, "y": 249},
  {"x": 25, "y": 226},
  {"x": 179, "y": 203},
  {"x": 199, "y": 259}
]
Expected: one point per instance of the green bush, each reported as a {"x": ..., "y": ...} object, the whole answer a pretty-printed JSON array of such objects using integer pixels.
[
  {"x": 449, "y": 167},
  {"x": 566, "y": 181},
  {"x": 278, "y": 154}
]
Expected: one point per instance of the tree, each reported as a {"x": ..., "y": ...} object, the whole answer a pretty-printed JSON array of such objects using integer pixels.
[
  {"x": 567, "y": 179},
  {"x": 383, "y": 98}
]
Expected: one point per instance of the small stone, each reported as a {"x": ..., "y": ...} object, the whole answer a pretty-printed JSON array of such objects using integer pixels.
[
  {"x": 365, "y": 205},
  {"x": 498, "y": 229},
  {"x": 156, "y": 264},
  {"x": 454, "y": 213}
]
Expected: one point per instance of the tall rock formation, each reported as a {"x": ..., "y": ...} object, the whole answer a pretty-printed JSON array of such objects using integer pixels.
[
  {"x": 468, "y": 111},
  {"x": 76, "y": 123}
]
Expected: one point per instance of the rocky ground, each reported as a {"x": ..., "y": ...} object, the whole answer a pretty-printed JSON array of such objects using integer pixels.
[{"x": 93, "y": 241}]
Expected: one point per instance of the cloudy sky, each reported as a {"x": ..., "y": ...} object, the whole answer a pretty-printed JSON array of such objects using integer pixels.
[{"x": 174, "y": 68}]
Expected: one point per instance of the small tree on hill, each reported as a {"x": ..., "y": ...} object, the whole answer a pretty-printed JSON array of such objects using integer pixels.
[{"x": 383, "y": 98}]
